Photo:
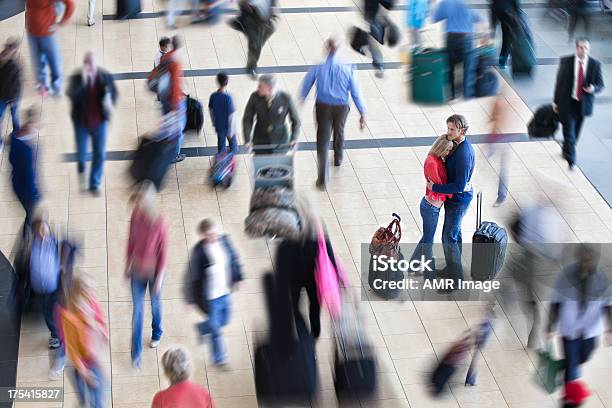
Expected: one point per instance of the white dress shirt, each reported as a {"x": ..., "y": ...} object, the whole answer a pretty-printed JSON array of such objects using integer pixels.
[{"x": 585, "y": 62}]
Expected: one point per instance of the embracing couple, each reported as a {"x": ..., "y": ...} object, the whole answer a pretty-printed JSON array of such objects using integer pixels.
[{"x": 448, "y": 170}]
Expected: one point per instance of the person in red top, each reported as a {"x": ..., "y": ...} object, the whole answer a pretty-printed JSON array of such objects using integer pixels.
[
  {"x": 172, "y": 97},
  {"x": 41, "y": 24},
  {"x": 181, "y": 393},
  {"x": 147, "y": 253},
  {"x": 431, "y": 203}
]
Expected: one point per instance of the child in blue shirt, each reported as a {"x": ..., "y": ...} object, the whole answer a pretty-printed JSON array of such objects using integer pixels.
[{"x": 223, "y": 114}]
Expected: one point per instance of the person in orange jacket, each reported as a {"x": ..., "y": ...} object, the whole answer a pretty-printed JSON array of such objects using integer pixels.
[{"x": 41, "y": 24}]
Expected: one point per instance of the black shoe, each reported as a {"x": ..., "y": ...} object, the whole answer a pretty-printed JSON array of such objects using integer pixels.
[
  {"x": 236, "y": 24},
  {"x": 571, "y": 166},
  {"x": 320, "y": 186},
  {"x": 252, "y": 73},
  {"x": 337, "y": 162},
  {"x": 94, "y": 190},
  {"x": 81, "y": 167},
  {"x": 179, "y": 158}
]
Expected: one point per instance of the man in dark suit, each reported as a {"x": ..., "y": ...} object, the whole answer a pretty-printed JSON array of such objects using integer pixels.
[{"x": 578, "y": 80}]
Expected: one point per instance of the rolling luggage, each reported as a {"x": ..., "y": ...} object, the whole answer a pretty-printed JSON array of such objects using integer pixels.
[
  {"x": 489, "y": 245},
  {"x": 128, "y": 9},
  {"x": 445, "y": 369},
  {"x": 486, "y": 83},
  {"x": 354, "y": 362},
  {"x": 430, "y": 76},
  {"x": 195, "y": 115},
  {"x": 386, "y": 242},
  {"x": 284, "y": 366},
  {"x": 522, "y": 51},
  {"x": 544, "y": 123},
  {"x": 359, "y": 40},
  {"x": 222, "y": 171}
]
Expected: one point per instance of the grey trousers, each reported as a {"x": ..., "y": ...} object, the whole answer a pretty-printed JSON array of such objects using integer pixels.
[{"x": 330, "y": 118}]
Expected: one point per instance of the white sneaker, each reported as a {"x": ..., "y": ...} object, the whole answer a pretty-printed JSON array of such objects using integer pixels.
[
  {"x": 57, "y": 369},
  {"x": 154, "y": 343}
]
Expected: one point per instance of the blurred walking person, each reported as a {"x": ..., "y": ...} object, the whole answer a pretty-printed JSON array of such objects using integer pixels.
[
  {"x": 93, "y": 94},
  {"x": 84, "y": 331},
  {"x": 416, "y": 16},
  {"x": 499, "y": 146},
  {"x": 41, "y": 25},
  {"x": 504, "y": 12},
  {"x": 459, "y": 28},
  {"x": 173, "y": 99},
  {"x": 579, "y": 78},
  {"x": 580, "y": 300},
  {"x": 269, "y": 108},
  {"x": 182, "y": 392},
  {"x": 578, "y": 10},
  {"x": 214, "y": 270},
  {"x": 147, "y": 253},
  {"x": 91, "y": 8},
  {"x": 22, "y": 157},
  {"x": 432, "y": 202},
  {"x": 334, "y": 81},
  {"x": 256, "y": 22},
  {"x": 10, "y": 83}
]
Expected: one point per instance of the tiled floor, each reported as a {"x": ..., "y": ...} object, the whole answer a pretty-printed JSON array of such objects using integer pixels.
[{"x": 362, "y": 193}]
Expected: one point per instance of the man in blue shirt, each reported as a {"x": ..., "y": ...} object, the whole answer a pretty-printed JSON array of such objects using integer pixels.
[
  {"x": 334, "y": 82},
  {"x": 459, "y": 169},
  {"x": 459, "y": 30}
]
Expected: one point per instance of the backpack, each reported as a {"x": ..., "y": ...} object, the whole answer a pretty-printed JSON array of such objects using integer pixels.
[
  {"x": 195, "y": 115},
  {"x": 159, "y": 81},
  {"x": 544, "y": 123}
]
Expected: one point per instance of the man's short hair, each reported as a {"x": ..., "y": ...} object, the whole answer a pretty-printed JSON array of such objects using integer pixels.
[
  {"x": 164, "y": 42},
  {"x": 268, "y": 79},
  {"x": 206, "y": 225},
  {"x": 222, "y": 79},
  {"x": 332, "y": 44},
  {"x": 458, "y": 120},
  {"x": 177, "y": 42},
  {"x": 582, "y": 40}
]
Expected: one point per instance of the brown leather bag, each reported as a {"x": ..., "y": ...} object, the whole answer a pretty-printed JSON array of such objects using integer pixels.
[{"x": 386, "y": 239}]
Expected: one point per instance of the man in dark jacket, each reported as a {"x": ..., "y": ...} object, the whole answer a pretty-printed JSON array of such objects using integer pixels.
[
  {"x": 10, "y": 83},
  {"x": 579, "y": 78},
  {"x": 21, "y": 157},
  {"x": 214, "y": 269},
  {"x": 92, "y": 93},
  {"x": 271, "y": 108}
]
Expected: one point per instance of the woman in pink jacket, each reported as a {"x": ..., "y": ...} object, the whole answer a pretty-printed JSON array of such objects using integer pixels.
[{"x": 146, "y": 262}]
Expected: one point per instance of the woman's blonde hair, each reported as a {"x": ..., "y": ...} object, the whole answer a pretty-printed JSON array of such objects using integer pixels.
[
  {"x": 78, "y": 293},
  {"x": 176, "y": 364},
  {"x": 308, "y": 218},
  {"x": 440, "y": 146}
]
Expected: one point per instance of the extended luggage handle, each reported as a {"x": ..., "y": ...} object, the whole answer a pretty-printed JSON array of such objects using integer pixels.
[{"x": 478, "y": 210}]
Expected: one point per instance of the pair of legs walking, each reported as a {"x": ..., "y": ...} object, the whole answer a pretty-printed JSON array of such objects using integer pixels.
[
  {"x": 91, "y": 394},
  {"x": 219, "y": 314},
  {"x": 139, "y": 288},
  {"x": 330, "y": 118},
  {"x": 13, "y": 106},
  {"x": 454, "y": 211},
  {"x": 572, "y": 124},
  {"x": 460, "y": 51},
  {"x": 45, "y": 54},
  {"x": 98, "y": 143}
]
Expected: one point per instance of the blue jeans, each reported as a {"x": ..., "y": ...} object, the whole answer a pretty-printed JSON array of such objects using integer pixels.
[
  {"x": 139, "y": 289},
  {"x": 218, "y": 316},
  {"x": 45, "y": 52},
  {"x": 94, "y": 396},
  {"x": 451, "y": 236},
  {"x": 460, "y": 50},
  {"x": 577, "y": 352},
  {"x": 49, "y": 301},
  {"x": 14, "y": 106},
  {"x": 183, "y": 116},
  {"x": 221, "y": 140},
  {"x": 429, "y": 214},
  {"x": 98, "y": 142}
]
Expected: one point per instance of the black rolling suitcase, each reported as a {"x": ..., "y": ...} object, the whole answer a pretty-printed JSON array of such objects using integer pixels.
[
  {"x": 128, "y": 9},
  {"x": 285, "y": 367},
  {"x": 151, "y": 161},
  {"x": 544, "y": 123},
  {"x": 195, "y": 115},
  {"x": 489, "y": 245},
  {"x": 355, "y": 362}
]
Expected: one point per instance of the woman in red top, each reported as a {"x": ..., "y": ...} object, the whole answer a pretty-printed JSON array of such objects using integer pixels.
[
  {"x": 432, "y": 202},
  {"x": 181, "y": 393}
]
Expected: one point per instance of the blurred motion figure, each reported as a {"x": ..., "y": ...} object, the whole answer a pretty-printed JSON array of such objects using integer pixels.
[{"x": 10, "y": 83}]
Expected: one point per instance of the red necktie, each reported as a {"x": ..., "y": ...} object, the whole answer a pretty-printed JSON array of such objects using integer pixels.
[{"x": 579, "y": 89}]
